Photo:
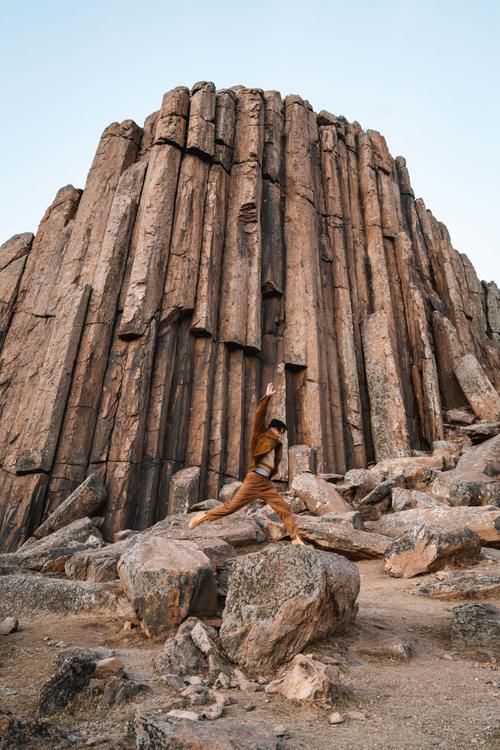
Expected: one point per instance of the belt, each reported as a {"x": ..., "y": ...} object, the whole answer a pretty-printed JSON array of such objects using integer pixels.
[{"x": 263, "y": 472}]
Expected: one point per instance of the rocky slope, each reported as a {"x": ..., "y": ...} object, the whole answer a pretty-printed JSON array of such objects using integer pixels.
[{"x": 237, "y": 238}]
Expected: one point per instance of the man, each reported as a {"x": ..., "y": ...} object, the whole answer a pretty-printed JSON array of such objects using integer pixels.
[{"x": 266, "y": 450}]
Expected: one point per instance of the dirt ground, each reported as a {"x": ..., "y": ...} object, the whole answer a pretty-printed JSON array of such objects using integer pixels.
[{"x": 443, "y": 697}]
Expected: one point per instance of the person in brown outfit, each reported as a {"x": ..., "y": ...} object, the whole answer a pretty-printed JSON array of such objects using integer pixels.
[{"x": 266, "y": 451}]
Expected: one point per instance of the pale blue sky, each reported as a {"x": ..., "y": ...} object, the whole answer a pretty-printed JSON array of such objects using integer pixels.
[{"x": 423, "y": 73}]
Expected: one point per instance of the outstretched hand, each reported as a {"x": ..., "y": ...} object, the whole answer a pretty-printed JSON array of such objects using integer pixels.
[{"x": 270, "y": 390}]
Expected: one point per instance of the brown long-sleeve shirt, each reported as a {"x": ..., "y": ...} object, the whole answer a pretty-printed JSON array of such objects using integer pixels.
[{"x": 263, "y": 441}]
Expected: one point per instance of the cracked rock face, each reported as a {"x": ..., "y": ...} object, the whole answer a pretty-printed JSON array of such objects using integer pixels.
[{"x": 237, "y": 238}]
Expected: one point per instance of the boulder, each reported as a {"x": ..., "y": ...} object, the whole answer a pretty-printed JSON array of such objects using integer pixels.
[
  {"x": 96, "y": 565},
  {"x": 308, "y": 680},
  {"x": 360, "y": 482},
  {"x": 485, "y": 521},
  {"x": 462, "y": 585},
  {"x": 180, "y": 655},
  {"x": 477, "y": 388},
  {"x": 64, "y": 685},
  {"x": 120, "y": 689},
  {"x": 239, "y": 530},
  {"x": 84, "y": 501},
  {"x": 343, "y": 533},
  {"x": 476, "y": 625},
  {"x": 478, "y": 433},
  {"x": 35, "y": 554},
  {"x": 459, "y": 416},
  {"x": 18, "y": 732},
  {"x": 407, "y": 499},
  {"x": 184, "y": 490},
  {"x": 153, "y": 733},
  {"x": 35, "y": 595},
  {"x": 9, "y": 625},
  {"x": 378, "y": 493},
  {"x": 301, "y": 458},
  {"x": 425, "y": 549},
  {"x": 385, "y": 646},
  {"x": 319, "y": 496},
  {"x": 474, "y": 480},
  {"x": 282, "y": 599},
  {"x": 166, "y": 580}
]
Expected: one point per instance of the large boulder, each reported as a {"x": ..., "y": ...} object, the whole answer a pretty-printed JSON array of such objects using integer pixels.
[
  {"x": 425, "y": 549},
  {"x": 319, "y": 496},
  {"x": 36, "y": 595},
  {"x": 485, "y": 521},
  {"x": 18, "y": 732},
  {"x": 84, "y": 501},
  {"x": 406, "y": 499},
  {"x": 343, "y": 533},
  {"x": 282, "y": 599},
  {"x": 166, "y": 580},
  {"x": 477, "y": 625}
]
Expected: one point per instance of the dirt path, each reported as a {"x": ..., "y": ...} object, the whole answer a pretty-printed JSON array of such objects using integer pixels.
[{"x": 443, "y": 697}]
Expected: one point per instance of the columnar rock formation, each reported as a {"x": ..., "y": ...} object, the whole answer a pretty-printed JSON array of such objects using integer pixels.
[{"x": 237, "y": 238}]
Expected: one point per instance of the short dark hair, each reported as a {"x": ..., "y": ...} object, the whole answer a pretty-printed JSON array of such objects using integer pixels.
[{"x": 281, "y": 426}]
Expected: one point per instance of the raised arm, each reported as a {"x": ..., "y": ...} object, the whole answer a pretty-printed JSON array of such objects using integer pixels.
[{"x": 260, "y": 413}]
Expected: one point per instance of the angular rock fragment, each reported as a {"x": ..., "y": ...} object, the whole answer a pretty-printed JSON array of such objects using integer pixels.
[
  {"x": 72, "y": 676},
  {"x": 343, "y": 533},
  {"x": 84, "y": 501},
  {"x": 425, "y": 549},
  {"x": 319, "y": 496},
  {"x": 184, "y": 490},
  {"x": 307, "y": 680},
  {"x": 462, "y": 585}
]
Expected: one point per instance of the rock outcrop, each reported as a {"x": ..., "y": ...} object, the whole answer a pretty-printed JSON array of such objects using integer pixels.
[{"x": 235, "y": 239}]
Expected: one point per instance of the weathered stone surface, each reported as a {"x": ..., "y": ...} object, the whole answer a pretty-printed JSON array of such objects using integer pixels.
[
  {"x": 238, "y": 530},
  {"x": 153, "y": 732},
  {"x": 34, "y": 555},
  {"x": 388, "y": 418},
  {"x": 476, "y": 478},
  {"x": 64, "y": 685},
  {"x": 184, "y": 490},
  {"x": 319, "y": 496},
  {"x": 28, "y": 733},
  {"x": 307, "y": 680},
  {"x": 462, "y": 585},
  {"x": 237, "y": 239},
  {"x": 484, "y": 521},
  {"x": 9, "y": 625},
  {"x": 406, "y": 499},
  {"x": 84, "y": 501},
  {"x": 166, "y": 580},
  {"x": 32, "y": 595},
  {"x": 96, "y": 565},
  {"x": 228, "y": 490},
  {"x": 342, "y": 533},
  {"x": 301, "y": 458},
  {"x": 385, "y": 646},
  {"x": 278, "y": 601},
  {"x": 478, "y": 390},
  {"x": 477, "y": 625},
  {"x": 425, "y": 549}
]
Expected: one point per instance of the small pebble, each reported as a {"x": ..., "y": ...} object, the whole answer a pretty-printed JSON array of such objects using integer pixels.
[
  {"x": 356, "y": 715},
  {"x": 336, "y": 718},
  {"x": 249, "y": 707},
  {"x": 9, "y": 625},
  {"x": 280, "y": 730}
]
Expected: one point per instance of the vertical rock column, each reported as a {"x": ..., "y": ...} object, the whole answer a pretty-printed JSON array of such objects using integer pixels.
[
  {"x": 13, "y": 255},
  {"x": 129, "y": 375},
  {"x": 344, "y": 327},
  {"x": 302, "y": 344}
]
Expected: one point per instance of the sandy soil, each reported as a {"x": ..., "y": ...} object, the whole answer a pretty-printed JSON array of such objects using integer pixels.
[{"x": 443, "y": 697}]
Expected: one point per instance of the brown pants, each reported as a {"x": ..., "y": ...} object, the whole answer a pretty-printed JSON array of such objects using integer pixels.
[{"x": 254, "y": 487}]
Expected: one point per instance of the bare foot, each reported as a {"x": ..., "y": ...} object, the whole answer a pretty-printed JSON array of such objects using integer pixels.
[
  {"x": 198, "y": 518},
  {"x": 298, "y": 540}
]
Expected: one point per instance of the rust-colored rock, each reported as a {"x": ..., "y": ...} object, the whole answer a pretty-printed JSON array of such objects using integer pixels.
[{"x": 239, "y": 238}]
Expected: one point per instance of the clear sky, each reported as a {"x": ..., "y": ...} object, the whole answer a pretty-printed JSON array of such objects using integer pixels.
[{"x": 424, "y": 73}]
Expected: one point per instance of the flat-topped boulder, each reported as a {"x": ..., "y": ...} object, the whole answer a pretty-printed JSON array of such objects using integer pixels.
[
  {"x": 319, "y": 496},
  {"x": 166, "y": 580},
  {"x": 485, "y": 521},
  {"x": 343, "y": 533},
  {"x": 282, "y": 599},
  {"x": 239, "y": 530},
  {"x": 424, "y": 549}
]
